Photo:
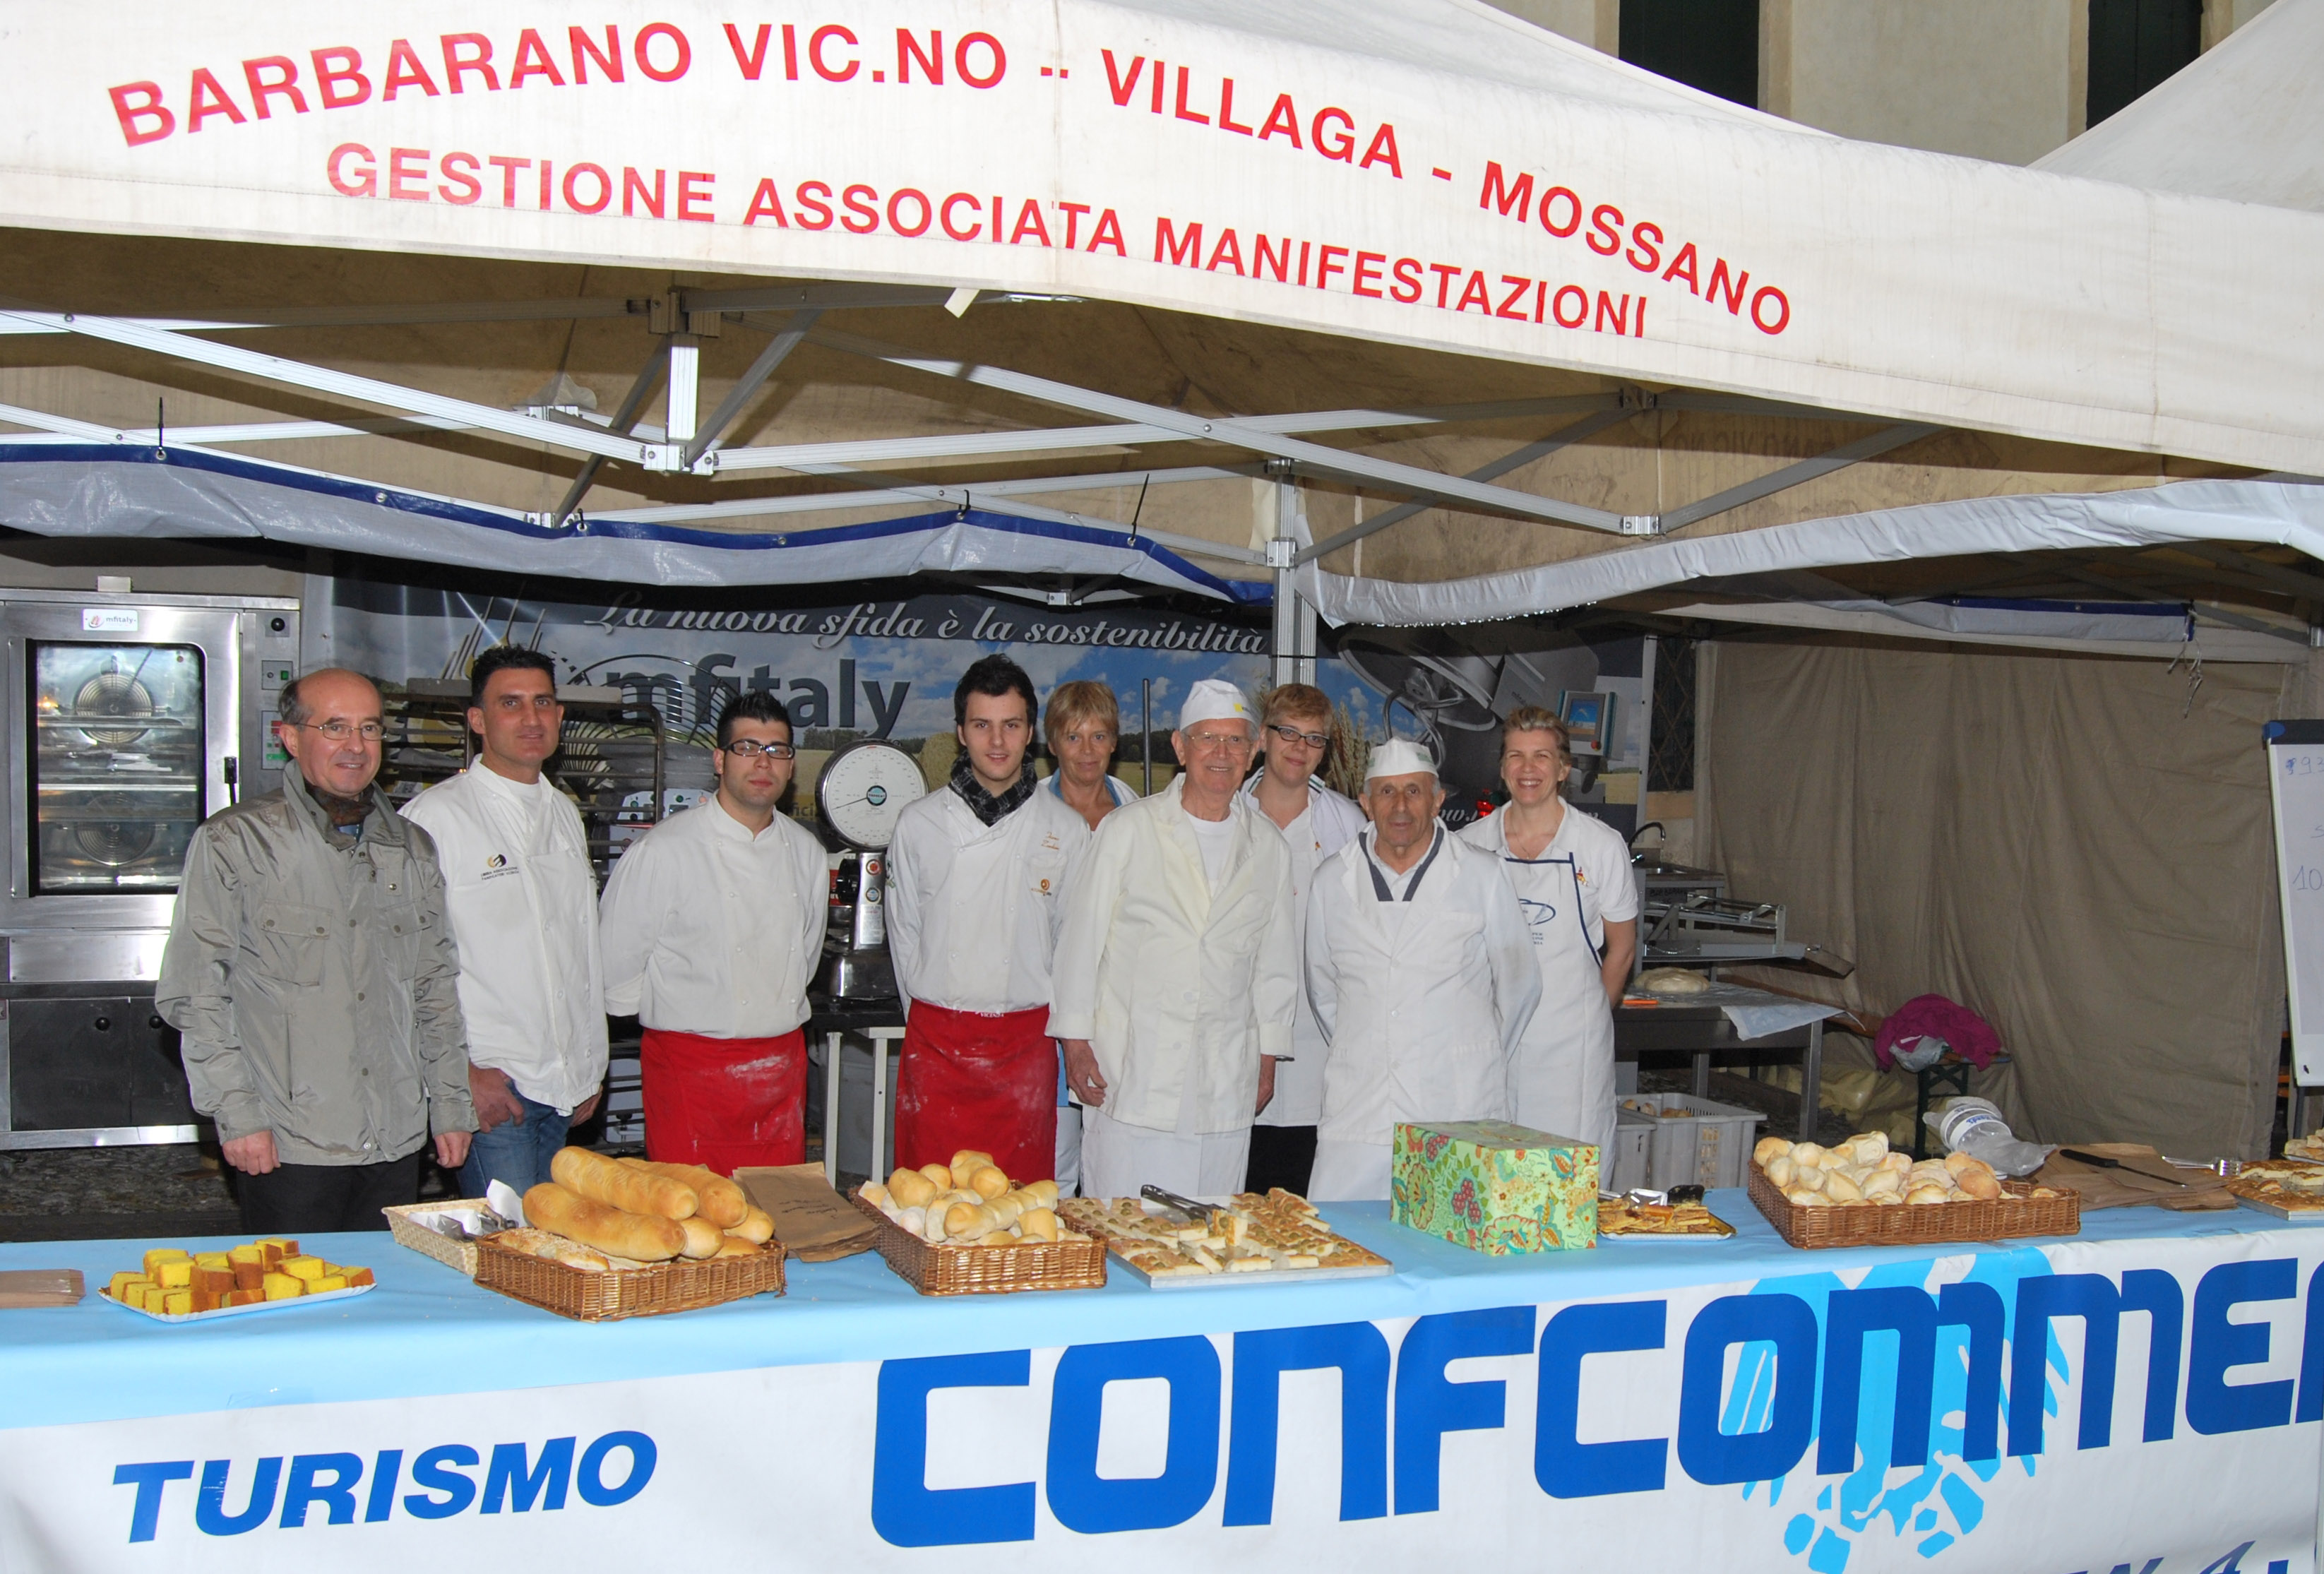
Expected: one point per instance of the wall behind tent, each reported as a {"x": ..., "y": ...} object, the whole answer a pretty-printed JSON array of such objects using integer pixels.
[
  {"x": 886, "y": 665},
  {"x": 2072, "y": 846}
]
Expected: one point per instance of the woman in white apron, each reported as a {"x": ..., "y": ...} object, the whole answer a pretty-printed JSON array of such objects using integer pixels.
[{"x": 1573, "y": 879}]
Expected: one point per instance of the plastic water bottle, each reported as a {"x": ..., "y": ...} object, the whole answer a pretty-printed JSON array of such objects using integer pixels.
[{"x": 1975, "y": 1126}]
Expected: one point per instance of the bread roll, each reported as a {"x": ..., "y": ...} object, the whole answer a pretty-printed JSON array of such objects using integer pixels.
[
  {"x": 703, "y": 1237},
  {"x": 1807, "y": 1154},
  {"x": 1009, "y": 1205},
  {"x": 873, "y": 1193},
  {"x": 540, "y": 1243},
  {"x": 1781, "y": 1169},
  {"x": 734, "y": 1246},
  {"x": 1038, "y": 1224},
  {"x": 643, "y": 1237},
  {"x": 1898, "y": 1162},
  {"x": 939, "y": 1176},
  {"x": 598, "y": 1179},
  {"x": 1882, "y": 1182},
  {"x": 1769, "y": 1148},
  {"x": 1839, "y": 1188},
  {"x": 911, "y": 1189},
  {"x": 1047, "y": 1191},
  {"x": 988, "y": 1183},
  {"x": 965, "y": 1164},
  {"x": 721, "y": 1202},
  {"x": 913, "y": 1220},
  {"x": 1806, "y": 1199},
  {"x": 997, "y": 1237},
  {"x": 1955, "y": 1160},
  {"x": 1807, "y": 1178},
  {"x": 1919, "y": 1196},
  {"x": 1871, "y": 1145},
  {"x": 1979, "y": 1183},
  {"x": 758, "y": 1224},
  {"x": 966, "y": 1219}
]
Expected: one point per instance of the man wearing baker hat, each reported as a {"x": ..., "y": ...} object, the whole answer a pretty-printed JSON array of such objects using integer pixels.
[
  {"x": 1420, "y": 967},
  {"x": 1177, "y": 974}
]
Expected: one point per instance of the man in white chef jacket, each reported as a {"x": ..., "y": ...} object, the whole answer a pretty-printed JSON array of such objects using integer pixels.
[
  {"x": 1294, "y": 737},
  {"x": 1420, "y": 967},
  {"x": 523, "y": 905},
  {"x": 976, "y": 881},
  {"x": 712, "y": 924},
  {"x": 1177, "y": 974}
]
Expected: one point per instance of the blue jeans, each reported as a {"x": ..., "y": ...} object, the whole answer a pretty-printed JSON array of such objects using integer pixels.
[{"x": 515, "y": 1155}]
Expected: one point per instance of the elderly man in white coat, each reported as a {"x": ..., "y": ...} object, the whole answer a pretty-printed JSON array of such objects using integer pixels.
[
  {"x": 1421, "y": 971},
  {"x": 1177, "y": 974}
]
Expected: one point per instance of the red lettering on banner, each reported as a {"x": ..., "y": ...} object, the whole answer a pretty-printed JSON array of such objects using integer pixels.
[
  {"x": 460, "y": 170},
  {"x": 1029, "y": 222},
  {"x": 407, "y": 181},
  {"x": 1638, "y": 239},
  {"x": 1602, "y": 228},
  {"x": 209, "y": 99},
  {"x": 1364, "y": 274},
  {"x": 1500, "y": 195},
  {"x": 1343, "y": 145},
  {"x": 1640, "y": 332},
  {"x": 1120, "y": 85},
  {"x": 927, "y": 213},
  {"x": 754, "y": 60},
  {"x": 1326, "y": 267},
  {"x": 1183, "y": 112},
  {"x": 816, "y": 40},
  {"x": 814, "y": 196},
  {"x": 334, "y": 69},
  {"x": 944, "y": 217},
  {"x": 998, "y": 66},
  {"x": 1619, "y": 313},
  {"x": 457, "y": 64},
  {"x": 1303, "y": 263},
  {"x": 404, "y": 70},
  {"x": 284, "y": 84},
  {"x": 693, "y": 204},
  {"x": 1581, "y": 306},
  {"x": 1226, "y": 108},
  {"x": 860, "y": 201},
  {"x": 790, "y": 53},
  {"x": 1229, "y": 250},
  {"x": 1154, "y": 105},
  {"x": 1408, "y": 278},
  {"x": 1108, "y": 234},
  {"x": 634, "y": 191},
  {"x": 1445, "y": 273},
  {"x": 508, "y": 167},
  {"x": 1759, "y": 297},
  {"x": 642, "y": 49},
  {"x": 1517, "y": 293},
  {"x": 1731, "y": 287},
  {"x": 547, "y": 168},
  {"x": 1474, "y": 291},
  {"x": 766, "y": 202},
  {"x": 1184, "y": 250},
  {"x": 1573, "y": 219},
  {"x": 1282, "y": 118},
  {"x": 1073, "y": 211},
  {"x": 585, "y": 50},
  {"x": 908, "y": 50},
  {"x": 1265, "y": 256},
  {"x": 133, "y": 117},
  {"x": 1383, "y": 151},
  {"x": 605, "y": 188},
  {"x": 367, "y": 180},
  {"x": 532, "y": 60},
  {"x": 1682, "y": 267},
  {"x": 996, "y": 220}
]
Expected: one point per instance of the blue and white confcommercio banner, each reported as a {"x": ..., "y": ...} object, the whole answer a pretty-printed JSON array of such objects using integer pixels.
[{"x": 2141, "y": 1399}]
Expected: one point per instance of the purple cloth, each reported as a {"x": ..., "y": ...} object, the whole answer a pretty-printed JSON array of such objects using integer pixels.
[{"x": 1972, "y": 1037}]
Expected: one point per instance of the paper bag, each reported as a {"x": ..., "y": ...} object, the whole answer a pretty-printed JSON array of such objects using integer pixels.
[{"x": 814, "y": 1223}]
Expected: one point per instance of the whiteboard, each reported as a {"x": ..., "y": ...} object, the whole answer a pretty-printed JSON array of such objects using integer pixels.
[{"x": 2295, "y": 776}]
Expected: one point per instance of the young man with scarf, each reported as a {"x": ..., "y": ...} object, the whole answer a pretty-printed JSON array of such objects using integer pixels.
[{"x": 975, "y": 880}]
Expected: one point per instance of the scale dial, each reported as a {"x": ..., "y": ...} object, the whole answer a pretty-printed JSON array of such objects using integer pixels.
[{"x": 864, "y": 788}]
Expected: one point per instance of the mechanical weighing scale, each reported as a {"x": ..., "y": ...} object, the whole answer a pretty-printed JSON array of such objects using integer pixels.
[{"x": 860, "y": 792}]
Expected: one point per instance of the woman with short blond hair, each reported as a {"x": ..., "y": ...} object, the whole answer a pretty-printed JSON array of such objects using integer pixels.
[
  {"x": 1083, "y": 729},
  {"x": 1573, "y": 879}
]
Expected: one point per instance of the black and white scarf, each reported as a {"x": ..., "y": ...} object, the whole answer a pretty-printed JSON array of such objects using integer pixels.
[{"x": 988, "y": 808}]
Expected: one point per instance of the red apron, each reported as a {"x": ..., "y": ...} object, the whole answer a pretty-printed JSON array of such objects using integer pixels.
[
  {"x": 968, "y": 1080},
  {"x": 724, "y": 1102}
]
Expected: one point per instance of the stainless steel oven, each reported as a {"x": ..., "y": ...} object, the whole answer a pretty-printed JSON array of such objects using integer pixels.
[{"x": 129, "y": 720}]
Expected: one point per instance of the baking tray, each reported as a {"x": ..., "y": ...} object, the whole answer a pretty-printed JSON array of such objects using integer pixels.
[
  {"x": 2304, "y": 1216},
  {"x": 1247, "y": 1281},
  {"x": 327, "y": 1295}
]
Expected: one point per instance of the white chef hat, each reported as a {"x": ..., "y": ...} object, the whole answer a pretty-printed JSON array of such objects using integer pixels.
[
  {"x": 1213, "y": 700},
  {"x": 1399, "y": 756}
]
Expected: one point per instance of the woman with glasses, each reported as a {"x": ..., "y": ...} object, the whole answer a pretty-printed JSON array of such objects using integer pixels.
[{"x": 1293, "y": 740}]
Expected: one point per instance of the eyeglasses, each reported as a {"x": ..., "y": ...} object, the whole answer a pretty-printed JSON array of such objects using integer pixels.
[
  {"x": 1212, "y": 742},
  {"x": 750, "y": 748},
  {"x": 1294, "y": 735},
  {"x": 339, "y": 732}
]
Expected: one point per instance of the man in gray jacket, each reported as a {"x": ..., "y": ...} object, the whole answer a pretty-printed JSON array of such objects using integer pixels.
[{"x": 312, "y": 974}]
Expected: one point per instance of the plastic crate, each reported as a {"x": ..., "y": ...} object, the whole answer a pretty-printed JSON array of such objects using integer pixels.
[
  {"x": 1706, "y": 1143},
  {"x": 1631, "y": 1156}
]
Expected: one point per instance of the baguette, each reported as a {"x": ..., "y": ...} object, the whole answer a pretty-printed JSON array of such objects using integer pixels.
[
  {"x": 718, "y": 1199},
  {"x": 703, "y": 1239},
  {"x": 734, "y": 1246},
  {"x": 641, "y": 1236},
  {"x": 617, "y": 1186},
  {"x": 758, "y": 1227}
]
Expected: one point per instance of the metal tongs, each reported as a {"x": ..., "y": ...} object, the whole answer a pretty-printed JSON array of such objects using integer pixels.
[
  {"x": 1193, "y": 1212},
  {"x": 1646, "y": 1197},
  {"x": 491, "y": 1223}
]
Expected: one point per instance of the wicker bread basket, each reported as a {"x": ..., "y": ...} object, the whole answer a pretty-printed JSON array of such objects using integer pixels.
[
  {"x": 986, "y": 1270},
  {"x": 1909, "y": 1225},
  {"x": 648, "y": 1292},
  {"x": 457, "y": 1255}
]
